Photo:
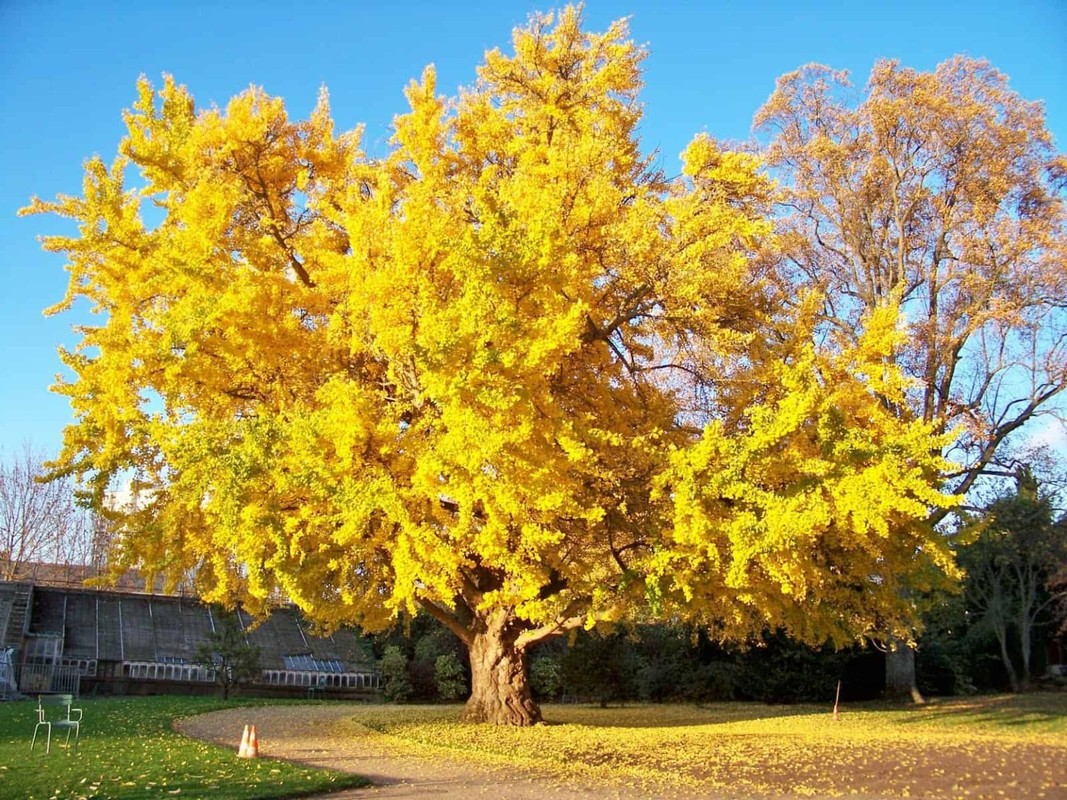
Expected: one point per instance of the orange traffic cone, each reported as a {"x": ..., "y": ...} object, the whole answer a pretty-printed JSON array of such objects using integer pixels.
[
  {"x": 242, "y": 752},
  {"x": 253, "y": 745}
]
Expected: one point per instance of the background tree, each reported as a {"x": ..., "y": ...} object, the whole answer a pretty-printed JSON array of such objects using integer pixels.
[
  {"x": 434, "y": 643},
  {"x": 1011, "y": 572},
  {"x": 546, "y": 676},
  {"x": 39, "y": 521},
  {"x": 226, "y": 651},
  {"x": 600, "y": 666},
  {"x": 507, "y": 374},
  {"x": 393, "y": 666},
  {"x": 938, "y": 192},
  {"x": 448, "y": 677},
  {"x": 953, "y": 653},
  {"x": 1058, "y": 586}
]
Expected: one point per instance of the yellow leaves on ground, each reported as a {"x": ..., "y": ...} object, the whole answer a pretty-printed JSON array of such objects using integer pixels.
[{"x": 950, "y": 748}]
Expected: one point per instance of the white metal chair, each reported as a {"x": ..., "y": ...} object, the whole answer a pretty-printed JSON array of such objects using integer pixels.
[{"x": 64, "y": 717}]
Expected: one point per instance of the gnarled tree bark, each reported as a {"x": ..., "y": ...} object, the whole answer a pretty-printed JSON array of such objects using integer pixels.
[
  {"x": 497, "y": 642},
  {"x": 500, "y": 686}
]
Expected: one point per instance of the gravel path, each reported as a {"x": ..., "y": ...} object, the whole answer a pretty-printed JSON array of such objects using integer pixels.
[
  {"x": 327, "y": 735},
  {"x": 324, "y": 735}
]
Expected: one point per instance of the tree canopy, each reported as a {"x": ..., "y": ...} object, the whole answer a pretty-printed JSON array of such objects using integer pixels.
[
  {"x": 941, "y": 192},
  {"x": 509, "y": 373}
]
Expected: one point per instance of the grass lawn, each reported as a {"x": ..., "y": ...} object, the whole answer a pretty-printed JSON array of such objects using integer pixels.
[
  {"x": 982, "y": 747},
  {"x": 128, "y": 750}
]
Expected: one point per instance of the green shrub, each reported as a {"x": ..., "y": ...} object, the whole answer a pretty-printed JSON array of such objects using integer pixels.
[
  {"x": 716, "y": 681},
  {"x": 393, "y": 667},
  {"x": 546, "y": 677},
  {"x": 448, "y": 677}
]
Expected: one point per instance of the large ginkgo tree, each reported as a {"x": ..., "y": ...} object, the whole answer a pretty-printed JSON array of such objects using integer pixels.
[{"x": 509, "y": 373}]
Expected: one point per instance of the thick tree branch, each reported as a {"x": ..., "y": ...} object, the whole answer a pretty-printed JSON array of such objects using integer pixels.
[
  {"x": 568, "y": 621},
  {"x": 448, "y": 619}
]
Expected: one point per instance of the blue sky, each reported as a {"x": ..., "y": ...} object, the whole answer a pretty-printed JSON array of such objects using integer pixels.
[{"x": 67, "y": 69}]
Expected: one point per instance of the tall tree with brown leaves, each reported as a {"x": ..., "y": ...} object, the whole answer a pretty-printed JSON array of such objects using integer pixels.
[
  {"x": 938, "y": 192},
  {"x": 39, "y": 521}
]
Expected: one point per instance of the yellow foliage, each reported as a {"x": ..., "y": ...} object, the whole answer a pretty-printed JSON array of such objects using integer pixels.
[{"x": 508, "y": 368}]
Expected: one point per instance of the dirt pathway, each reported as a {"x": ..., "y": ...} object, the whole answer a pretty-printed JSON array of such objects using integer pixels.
[{"x": 323, "y": 735}]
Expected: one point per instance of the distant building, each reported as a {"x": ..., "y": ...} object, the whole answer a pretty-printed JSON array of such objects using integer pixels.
[
  {"x": 76, "y": 576},
  {"x": 66, "y": 639}
]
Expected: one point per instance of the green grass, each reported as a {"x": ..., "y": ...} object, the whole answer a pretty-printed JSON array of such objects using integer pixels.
[
  {"x": 963, "y": 747},
  {"x": 128, "y": 750}
]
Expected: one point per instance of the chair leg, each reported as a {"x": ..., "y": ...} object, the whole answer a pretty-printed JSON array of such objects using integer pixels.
[{"x": 48, "y": 737}]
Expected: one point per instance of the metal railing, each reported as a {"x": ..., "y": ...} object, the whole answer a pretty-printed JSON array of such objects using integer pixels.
[
  {"x": 321, "y": 680},
  {"x": 49, "y": 678}
]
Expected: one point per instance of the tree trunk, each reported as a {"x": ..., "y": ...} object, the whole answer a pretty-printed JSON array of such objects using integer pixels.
[
  {"x": 500, "y": 685},
  {"x": 1001, "y": 632},
  {"x": 1024, "y": 653},
  {"x": 900, "y": 681},
  {"x": 1026, "y": 613}
]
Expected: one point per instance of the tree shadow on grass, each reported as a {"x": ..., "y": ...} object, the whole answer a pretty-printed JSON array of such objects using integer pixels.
[
  {"x": 1040, "y": 708},
  {"x": 673, "y": 715},
  {"x": 1044, "y": 711}
]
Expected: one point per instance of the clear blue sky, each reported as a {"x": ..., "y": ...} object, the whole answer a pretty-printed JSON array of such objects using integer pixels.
[{"x": 68, "y": 68}]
